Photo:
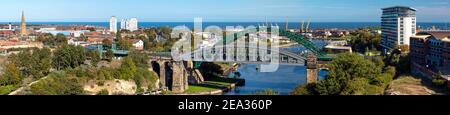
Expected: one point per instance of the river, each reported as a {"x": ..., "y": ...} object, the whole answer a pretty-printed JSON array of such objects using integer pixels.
[{"x": 282, "y": 81}]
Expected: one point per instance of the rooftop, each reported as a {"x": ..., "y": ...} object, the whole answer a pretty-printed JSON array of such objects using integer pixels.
[
  {"x": 443, "y": 35},
  {"x": 406, "y": 7}
]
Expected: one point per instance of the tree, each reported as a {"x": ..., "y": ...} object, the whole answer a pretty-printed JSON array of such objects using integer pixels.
[
  {"x": 127, "y": 69},
  {"x": 119, "y": 35},
  {"x": 139, "y": 58},
  {"x": 83, "y": 37},
  {"x": 152, "y": 34},
  {"x": 348, "y": 66},
  {"x": 165, "y": 32},
  {"x": 356, "y": 86},
  {"x": 33, "y": 62},
  {"x": 351, "y": 74},
  {"x": 94, "y": 56},
  {"x": 42, "y": 59},
  {"x": 124, "y": 44},
  {"x": 103, "y": 92},
  {"x": 61, "y": 39},
  {"x": 58, "y": 83},
  {"x": 329, "y": 86},
  {"x": 107, "y": 43},
  {"x": 68, "y": 56},
  {"x": 92, "y": 29},
  {"x": 109, "y": 54},
  {"x": 11, "y": 75},
  {"x": 267, "y": 92}
]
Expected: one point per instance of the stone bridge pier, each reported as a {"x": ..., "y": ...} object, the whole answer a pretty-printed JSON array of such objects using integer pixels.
[
  {"x": 176, "y": 75},
  {"x": 312, "y": 69}
]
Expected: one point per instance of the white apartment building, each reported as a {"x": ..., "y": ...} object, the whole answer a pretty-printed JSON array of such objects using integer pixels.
[
  {"x": 113, "y": 24},
  {"x": 123, "y": 24},
  {"x": 398, "y": 24},
  {"x": 132, "y": 24}
]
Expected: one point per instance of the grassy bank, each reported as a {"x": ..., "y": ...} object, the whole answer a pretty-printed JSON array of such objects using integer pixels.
[{"x": 213, "y": 84}]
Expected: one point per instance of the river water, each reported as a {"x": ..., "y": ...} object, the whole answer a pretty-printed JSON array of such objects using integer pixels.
[{"x": 282, "y": 81}]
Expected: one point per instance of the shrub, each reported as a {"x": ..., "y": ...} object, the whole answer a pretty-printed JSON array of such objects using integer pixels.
[
  {"x": 103, "y": 92},
  {"x": 439, "y": 82},
  {"x": 267, "y": 92},
  {"x": 304, "y": 90}
]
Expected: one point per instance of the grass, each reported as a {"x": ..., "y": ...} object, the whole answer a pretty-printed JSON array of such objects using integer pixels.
[
  {"x": 223, "y": 65},
  {"x": 4, "y": 90},
  {"x": 197, "y": 89},
  {"x": 211, "y": 84},
  {"x": 414, "y": 85}
]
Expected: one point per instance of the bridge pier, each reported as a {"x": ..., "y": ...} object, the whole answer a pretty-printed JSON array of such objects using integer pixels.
[
  {"x": 312, "y": 70},
  {"x": 162, "y": 74},
  {"x": 180, "y": 79}
]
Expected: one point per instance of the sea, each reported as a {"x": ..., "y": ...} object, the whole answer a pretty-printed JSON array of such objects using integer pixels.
[{"x": 313, "y": 25}]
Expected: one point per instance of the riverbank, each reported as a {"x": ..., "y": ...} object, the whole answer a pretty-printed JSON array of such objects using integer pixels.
[
  {"x": 214, "y": 86},
  {"x": 287, "y": 45}
]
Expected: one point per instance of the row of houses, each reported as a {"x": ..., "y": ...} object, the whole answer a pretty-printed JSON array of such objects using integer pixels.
[{"x": 430, "y": 54}]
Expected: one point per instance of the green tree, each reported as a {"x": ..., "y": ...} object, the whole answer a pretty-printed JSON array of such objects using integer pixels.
[
  {"x": 58, "y": 84},
  {"x": 103, "y": 92},
  {"x": 107, "y": 43},
  {"x": 267, "y": 92},
  {"x": 152, "y": 34},
  {"x": 348, "y": 66},
  {"x": 68, "y": 56},
  {"x": 41, "y": 62},
  {"x": 139, "y": 58},
  {"x": 329, "y": 86},
  {"x": 11, "y": 75},
  {"x": 356, "y": 86},
  {"x": 61, "y": 39},
  {"x": 124, "y": 44},
  {"x": 94, "y": 56},
  {"x": 127, "y": 69},
  {"x": 109, "y": 54},
  {"x": 351, "y": 74}
]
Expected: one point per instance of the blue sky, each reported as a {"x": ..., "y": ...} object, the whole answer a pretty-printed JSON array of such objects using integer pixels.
[{"x": 217, "y": 10}]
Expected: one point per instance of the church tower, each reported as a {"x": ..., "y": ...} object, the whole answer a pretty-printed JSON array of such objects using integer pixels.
[{"x": 23, "y": 26}]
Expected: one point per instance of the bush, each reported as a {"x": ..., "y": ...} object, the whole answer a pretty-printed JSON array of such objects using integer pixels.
[
  {"x": 267, "y": 92},
  {"x": 101, "y": 83},
  {"x": 439, "y": 82},
  {"x": 103, "y": 92},
  {"x": 58, "y": 84},
  {"x": 304, "y": 90}
]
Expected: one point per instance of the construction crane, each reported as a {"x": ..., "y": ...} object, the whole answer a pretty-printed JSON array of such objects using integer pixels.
[
  {"x": 307, "y": 25},
  {"x": 287, "y": 24},
  {"x": 302, "y": 26}
]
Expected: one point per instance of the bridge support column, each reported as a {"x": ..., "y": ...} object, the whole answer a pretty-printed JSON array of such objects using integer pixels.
[
  {"x": 180, "y": 82},
  {"x": 162, "y": 74},
  {"x": 312, "y": 70}
]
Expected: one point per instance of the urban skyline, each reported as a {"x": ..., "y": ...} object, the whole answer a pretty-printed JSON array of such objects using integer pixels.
[{"x": 245, "y": 11}]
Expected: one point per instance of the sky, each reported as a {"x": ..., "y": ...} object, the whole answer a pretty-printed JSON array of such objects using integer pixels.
[{"x": 216, "y": 10}]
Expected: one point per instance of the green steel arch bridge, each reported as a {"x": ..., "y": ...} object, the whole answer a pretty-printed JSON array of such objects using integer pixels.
[{"x": 321, "y": 56}]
